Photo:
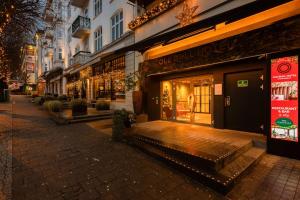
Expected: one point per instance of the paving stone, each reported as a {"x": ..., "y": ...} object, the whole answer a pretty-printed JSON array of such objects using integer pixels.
[{"x": 80, "y": 161}]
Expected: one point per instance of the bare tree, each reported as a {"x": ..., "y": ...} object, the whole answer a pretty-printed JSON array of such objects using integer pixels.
[{"x": 19, "y": 20}]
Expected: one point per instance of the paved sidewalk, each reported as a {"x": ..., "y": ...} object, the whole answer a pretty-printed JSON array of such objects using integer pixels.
[
  {"x": 80, "y": 161},
  {"x": 5, "y": 150}
]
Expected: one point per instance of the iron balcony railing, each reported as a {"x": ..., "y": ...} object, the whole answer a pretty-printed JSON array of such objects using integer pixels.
[
  {"x": 78, "y": 3},
  {"x": 80, "y": 58},
  {"x": 81, "y": 26}
]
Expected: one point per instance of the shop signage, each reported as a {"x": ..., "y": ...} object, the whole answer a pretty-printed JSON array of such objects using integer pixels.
[
  {"x": 284, "y": 98},
  {"x": 218, "y": 89},
  {"x": 242, "y": 83}
]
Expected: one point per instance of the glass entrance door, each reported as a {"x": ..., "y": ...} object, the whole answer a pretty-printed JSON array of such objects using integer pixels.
[{"x": 187, "y": 99}]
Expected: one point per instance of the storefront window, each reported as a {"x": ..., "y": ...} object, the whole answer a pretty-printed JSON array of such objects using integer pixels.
[
  {"x": 110, "y": 79},
  {"x": 187, "y": 99}
]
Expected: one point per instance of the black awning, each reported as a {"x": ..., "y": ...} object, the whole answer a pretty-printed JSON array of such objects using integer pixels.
[{"x": 227, "y": 17}]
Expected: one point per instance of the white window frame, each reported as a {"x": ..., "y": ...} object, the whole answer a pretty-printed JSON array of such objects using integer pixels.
[
  {"x": 97, "y": 7},
  {"x": 60, "y": 53},
  {"x": 117, "y": 27},
  {"x": 98, "y": 39}
]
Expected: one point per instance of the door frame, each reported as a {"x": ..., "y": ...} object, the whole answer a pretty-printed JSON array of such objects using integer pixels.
[
  {"x": 264, "y": 92},
  {"x": 182, "y": 76}
]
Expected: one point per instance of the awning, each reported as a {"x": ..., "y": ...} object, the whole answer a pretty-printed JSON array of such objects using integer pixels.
[{"x": 203, "y": 25}]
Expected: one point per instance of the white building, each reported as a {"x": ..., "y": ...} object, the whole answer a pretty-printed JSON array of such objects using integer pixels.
[
  {"x": 77, "y": 44},
  {"x": 53, "y": 58},
  {"x": 94, "y": 29}
]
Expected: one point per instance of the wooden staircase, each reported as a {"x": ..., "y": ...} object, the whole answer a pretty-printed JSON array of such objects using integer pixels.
[{"x": 220, "y": 173}]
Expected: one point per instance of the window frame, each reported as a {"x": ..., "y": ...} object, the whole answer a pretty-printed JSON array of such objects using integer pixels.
[
  {"x": 98, "y": 39},
  {"x": 97, "y": 7},
  {"x": 117, "y": 25}
]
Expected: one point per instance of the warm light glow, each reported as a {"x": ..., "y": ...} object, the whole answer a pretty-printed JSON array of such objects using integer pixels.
[{"x": 224, "y": 31}]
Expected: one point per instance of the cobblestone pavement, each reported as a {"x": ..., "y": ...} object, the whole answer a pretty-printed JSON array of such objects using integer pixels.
[
  {"x": 80, "y": 161},
  {"x": 5, "y": 151}
]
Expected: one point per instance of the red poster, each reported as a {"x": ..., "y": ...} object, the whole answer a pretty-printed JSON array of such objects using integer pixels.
[{"x": 284, "y": 98}]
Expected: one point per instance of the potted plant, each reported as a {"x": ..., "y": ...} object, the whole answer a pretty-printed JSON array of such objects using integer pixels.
[
  {"x": 79, "y": 107},
  {"x": 133, "y": 83},
  {"x": 102, "y": 105}
]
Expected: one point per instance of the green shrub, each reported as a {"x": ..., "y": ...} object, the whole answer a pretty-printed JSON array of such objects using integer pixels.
[
  {"x": 79, "y": 107},
  {"x": 45, "y": 105},
  {"x": 62, "y": 97},
  {"x": 54, "y": 106},
  {"x": 37, "y": 100},
  {"x": 102, "y": 105},
  {"x": 121, "y": 120}
]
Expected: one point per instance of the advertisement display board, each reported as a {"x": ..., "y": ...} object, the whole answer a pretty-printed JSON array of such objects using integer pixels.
[{"x": 284, "y": 98}]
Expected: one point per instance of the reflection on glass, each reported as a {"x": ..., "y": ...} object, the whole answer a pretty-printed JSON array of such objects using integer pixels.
[{"x": 191, "y": 99}]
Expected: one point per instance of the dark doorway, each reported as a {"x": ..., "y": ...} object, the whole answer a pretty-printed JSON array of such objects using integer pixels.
[{"x": 244, "y": 101}]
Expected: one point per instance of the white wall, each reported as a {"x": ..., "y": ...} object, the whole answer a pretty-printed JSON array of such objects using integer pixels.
[
  {"x": 109, "y": 8},
  {"x": 168, "y": 21}
]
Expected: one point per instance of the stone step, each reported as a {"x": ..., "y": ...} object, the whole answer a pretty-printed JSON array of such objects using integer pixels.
[
  {"x": 93, "y": 116},
  {"x": 243, "y": 163},
  {"x": 90, "y": 118},
  {"x": 222, "y": 180},
  {"x": 199, "y": 158}
]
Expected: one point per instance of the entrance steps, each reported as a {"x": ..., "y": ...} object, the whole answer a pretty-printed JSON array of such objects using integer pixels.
[{"x": 219, "y": 172}]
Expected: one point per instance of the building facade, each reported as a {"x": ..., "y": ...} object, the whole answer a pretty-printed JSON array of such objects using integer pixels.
[
  {"x": 29, "y": 69},
  {"x": 78, "y": 49},
  {"x": 211, "y": 62}
]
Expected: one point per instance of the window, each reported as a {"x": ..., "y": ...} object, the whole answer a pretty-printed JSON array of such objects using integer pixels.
[
  {"x": 110, "y": 80},
  {"x": 98, "y": 39},
  {"x": 97, "y": 7},
  {"x": 60, "y": 54},
  {"x": 59, "y": 32},
  {"x": 77, "y": 49},
  {"x": 117, "y": 25},
  {"x": 69, "y": 10},
  {"x": 86, "y": 12},
  {"x": 69, "y": 34}
]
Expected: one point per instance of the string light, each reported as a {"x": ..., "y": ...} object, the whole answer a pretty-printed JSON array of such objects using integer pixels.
[{"x": 153, "y": 12}]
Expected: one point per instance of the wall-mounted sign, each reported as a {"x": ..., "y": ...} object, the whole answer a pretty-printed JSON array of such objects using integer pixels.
[
  {"x": 242, "y": 83},
  {"x": 218, "y": 89},
  {"x": 284, "y": 98}
]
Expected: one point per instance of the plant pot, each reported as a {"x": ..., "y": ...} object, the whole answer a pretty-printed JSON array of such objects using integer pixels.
[
  {"x": 77, "y": 112},
  {"x": 137, "y": 98}
]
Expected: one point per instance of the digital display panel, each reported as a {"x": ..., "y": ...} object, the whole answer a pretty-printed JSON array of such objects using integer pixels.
[{"x": 284, "y": 98}]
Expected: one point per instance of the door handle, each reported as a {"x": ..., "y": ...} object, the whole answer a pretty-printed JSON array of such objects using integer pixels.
[{"x": 227, "y": 101}]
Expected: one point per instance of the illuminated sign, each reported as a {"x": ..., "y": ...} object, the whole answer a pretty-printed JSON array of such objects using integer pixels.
[{"x": 284, "y": 98}]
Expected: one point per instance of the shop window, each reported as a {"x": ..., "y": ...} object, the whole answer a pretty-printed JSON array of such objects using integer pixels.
[
  {"x": 187, "y": 99},
  {"x": 117, "y": 25},
  {"x": 110, "y": 79}
]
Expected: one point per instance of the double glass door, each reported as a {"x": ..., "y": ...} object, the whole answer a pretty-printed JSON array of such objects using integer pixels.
[{"x": 187, "y": 99}]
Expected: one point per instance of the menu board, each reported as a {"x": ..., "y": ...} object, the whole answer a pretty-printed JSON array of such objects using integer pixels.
[{"x": 284, "y": 98}]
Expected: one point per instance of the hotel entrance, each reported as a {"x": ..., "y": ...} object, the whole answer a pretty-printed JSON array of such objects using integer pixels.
[{"x": 187, "y": 99}]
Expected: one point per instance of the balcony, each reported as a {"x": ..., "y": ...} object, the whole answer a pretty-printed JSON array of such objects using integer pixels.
[
  {"x": 81, "y": 27},
  {"x": 49, "y": 52},
  {"x": 49, "y": 33},
  {"x": 58, "y": 63},
  {"x": 79, "y": 3},
  {"x": 49, "y": 16},
  {"x": 80, "y": 58}
]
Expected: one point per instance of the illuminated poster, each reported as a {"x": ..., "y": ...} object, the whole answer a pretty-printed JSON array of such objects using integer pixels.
[{"x": 284, "y": 98}]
